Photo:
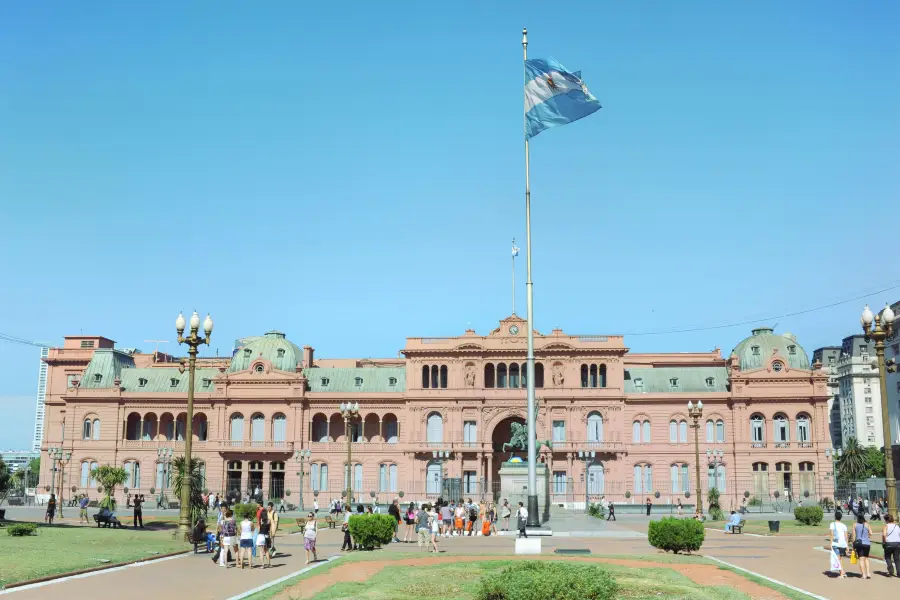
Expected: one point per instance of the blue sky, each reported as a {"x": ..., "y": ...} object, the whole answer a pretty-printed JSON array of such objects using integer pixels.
[{"x": 352, "y": 173}]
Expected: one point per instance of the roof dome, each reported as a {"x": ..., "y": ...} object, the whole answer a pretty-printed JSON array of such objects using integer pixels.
[
  {"x": 755, "y": 351},
  {"x": 273, "y": 347}
]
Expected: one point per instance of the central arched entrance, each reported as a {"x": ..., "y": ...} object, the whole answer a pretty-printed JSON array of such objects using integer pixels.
[{"x": 501, "y": 434}]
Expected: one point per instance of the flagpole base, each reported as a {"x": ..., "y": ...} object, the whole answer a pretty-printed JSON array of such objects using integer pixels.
[{"x": 534, "y": 519}]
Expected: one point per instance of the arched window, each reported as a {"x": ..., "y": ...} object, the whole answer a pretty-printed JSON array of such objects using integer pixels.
[
  {"x": 133, "y": 474},
  {"x": 523, "y": 374},
  {"x": 715, "y": 477},
  {"x": 636, "y": 432},
  {"x": 603, "y": 376},
  {"x": 646, "y": 432},
  {"x": 201, "y": 427},
  {"x": 133, "y": 426},
  {"x": 279, "y": 428},
  {"x": 433, "y": 478},
  {"x": 592, "y": 377},
  {"x": 501, "y": 376},
  {"x": 710, "y": 431},
  {"x": 489, "y": 375},
  {"x": 673, "y": 432},
  {"x": 513, "y": 375},
  {"x": 425, "y": 376},
  {"x": 93, "y": 481},
  {"x": 435, "y": 428},
  {"x": 86, "y": 430},
  {"x": 320, "y": 428},
  {"x": 720, "y": 431},
  {"x": 443, "y": 376},
  {"x": 761, "y": 480},
  {"x": 803, "y": 428},
  {"x": 181, "y": 427},
  {"x": 596, "y": 481},
  {"x": 237, "y": 429},
  {"x": 678, "y": 473},
  {"x": 757, "y": 429},
  {"x": 584, "y": 376},
  {"x": 391, "y": 428},
  {"x": 538, "y": 375},
  {"x": 257, "y": 430},
  {"x": 643, "y": 479},
  {"x": 595, "y": 427},
  {"x": 85, "y": 474},
  {"x": 682, "y": 431},
  {"x": 387, "y": 478},
  {"x": 782, "y": 433},
  {"x": 435, "y": 376}
]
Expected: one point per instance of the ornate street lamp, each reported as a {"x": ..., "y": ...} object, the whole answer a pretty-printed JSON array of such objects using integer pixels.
[
  {"x": 439, "y": 457},
  {"x": 301, "y": 456},
  {"x": 695, "y": 411},
  {"x": 164, "y": 455},
  {"x": 60, "y": 458},
  {"x": 194, "y": 341},
  {"x": 587, "y": 456},
  {"x": 882, "y": 329},
  {"x": 835, "y": 455},
  {"x": 349, "y": 410},
  {"x": 715, "y": 458}
]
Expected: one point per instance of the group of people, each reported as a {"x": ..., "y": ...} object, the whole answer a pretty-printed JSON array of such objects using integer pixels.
[
  {"x": 252, "y": 537},
  {"x": 861, "y": 506},
  {"x": 860, "y": 541}
]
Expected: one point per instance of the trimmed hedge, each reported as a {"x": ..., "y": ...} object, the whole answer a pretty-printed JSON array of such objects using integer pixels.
[
  {"x": 372, "y": 531},
  {"x": 533, "y": 580},
  {"x": 596, "y": 510},
  {"x": 809, "y": 515},
  {"x": 248, "y": 509},
  {"x": 676, "y": 535},
  {"x": 22, "y": 529}
]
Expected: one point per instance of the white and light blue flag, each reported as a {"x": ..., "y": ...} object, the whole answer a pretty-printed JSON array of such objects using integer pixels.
[{"x": 554, "y": 96}]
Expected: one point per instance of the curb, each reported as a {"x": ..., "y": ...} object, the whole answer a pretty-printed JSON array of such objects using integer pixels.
[{"x": 18, "y": 584}]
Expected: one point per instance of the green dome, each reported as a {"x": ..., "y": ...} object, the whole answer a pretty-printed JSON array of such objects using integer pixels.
[
  {"x": 756, "y": 351},
  {"x": 273, "y": 347}
]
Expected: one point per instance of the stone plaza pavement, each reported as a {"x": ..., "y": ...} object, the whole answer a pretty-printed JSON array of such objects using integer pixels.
[{"x": 792, "y": 560}]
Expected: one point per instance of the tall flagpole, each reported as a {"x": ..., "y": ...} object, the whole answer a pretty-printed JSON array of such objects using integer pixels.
[
  {"x": 533, "y": 517},
  {"x": 514, "y": 275}
]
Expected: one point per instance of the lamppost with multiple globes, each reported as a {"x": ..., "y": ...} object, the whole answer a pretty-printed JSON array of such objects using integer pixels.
[
  {"x": 164, "y": 456},
  {"x": 878, "y": 328},
  {"x": 587, "y": 456},
  {"x": 59, "y": 457},
  {"x": 349, "y": 410},
  {"x": 193, "y": 341},
  {"x": 695, "y": 411},
  {"x": 439, "y": 457},
  {"x": 715, "y": 458},
  {"x": 301, "y": 456}
]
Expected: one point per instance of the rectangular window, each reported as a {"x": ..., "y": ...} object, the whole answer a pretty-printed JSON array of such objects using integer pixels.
[
  {"x": 87, "y": 343},
  {"x": 648, "y": 478},
  {"x": 869, "y": 409},
  {"x": 392, "y": 478},
  {"x": 559, "y": 431},
  {"x": 470, "y": 483},
  {"x": 470, "y": 432},
  {"x": 314, "y": 476},
  {"x": 559, "y": 482},
  {"x": 638, "y": 480},
  {"x": 323, "y": 478}
]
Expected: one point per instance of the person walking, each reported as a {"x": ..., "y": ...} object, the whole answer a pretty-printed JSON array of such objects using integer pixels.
[
  {"x": 309, "y": 537},
  {"x": 138, "y": 511},
  {"x": 423, "y": 526},
  {"x": 394, "y": 512},
  {"x": 679, "y": 510},
  {"x": 316, "y": 506},
  {"x": 434, "y": 519},
  {"x": 410, "y": 519},
  {"x": 492, "y": 515},
  {"x": 890, "y": 536},
  {"x": 229, "y": 538},
  {"x": 246, "y": 542},
  {"x": 446, "y": 519},
  {"x": 51, "y": 509},
  {"x": 522, "y": 520},
  {"x": 862, "y": 544},
  {"x": 345, "y": 527},
  {"x": 649, "y": 504},
  {"x": 612, "y": 512},
  {"x": 838, "y": 536},
  {"x": 505, "y": 513},
  {"x": 273, "y": 528},
  {"x": 83, "y": 505}
]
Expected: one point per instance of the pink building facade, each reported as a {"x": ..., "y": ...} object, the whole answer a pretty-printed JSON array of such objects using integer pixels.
[{"x": 764, "y": 415}]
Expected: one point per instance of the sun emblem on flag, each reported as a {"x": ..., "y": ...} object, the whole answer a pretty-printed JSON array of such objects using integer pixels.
[
  {"x": 584, "y": 88},
  {"x": 551, "y": 83}
]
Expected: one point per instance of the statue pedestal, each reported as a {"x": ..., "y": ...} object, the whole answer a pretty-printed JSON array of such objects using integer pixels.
[{"x": 514, "y": 487}]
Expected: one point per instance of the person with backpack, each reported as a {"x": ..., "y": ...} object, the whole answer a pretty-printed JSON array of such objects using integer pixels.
[
  {"x": 473, "y": 518},
  {"x": 890, "y": 536}
]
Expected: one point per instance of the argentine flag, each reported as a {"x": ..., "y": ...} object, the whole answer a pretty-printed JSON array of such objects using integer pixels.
[{"x": 554, "y": 96}]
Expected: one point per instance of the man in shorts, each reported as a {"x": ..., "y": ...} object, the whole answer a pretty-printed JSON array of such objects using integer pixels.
[
  {"x": 446, "y": 519},
  {"x": 83, "y": 504}
]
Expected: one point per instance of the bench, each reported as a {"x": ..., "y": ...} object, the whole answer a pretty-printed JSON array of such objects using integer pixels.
[
  {"x": 739, "y": 528},
  {"x": 329, "y": 520},
  {"x": 106, "y": 518},
  {"x": 201, "y": 541},
  {"x": 301, "y": 522}
]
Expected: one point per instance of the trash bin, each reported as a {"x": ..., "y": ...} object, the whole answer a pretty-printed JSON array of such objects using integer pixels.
[
  {"x": 2, "y": 514},
  {"x": 774, "y": 526}
]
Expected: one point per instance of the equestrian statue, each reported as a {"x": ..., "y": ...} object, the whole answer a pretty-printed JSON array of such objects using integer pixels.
[{"x": 519, "y": 439}]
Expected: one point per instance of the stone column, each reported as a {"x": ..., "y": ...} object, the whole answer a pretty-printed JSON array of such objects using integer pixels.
[
  {"x": 380, "y": 433},
  {"x": 490, "y": 475}
]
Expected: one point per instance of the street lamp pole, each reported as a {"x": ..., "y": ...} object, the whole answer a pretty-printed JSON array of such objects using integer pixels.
[
  {"x": 53, "y": 453},
  {"x": 587, "y": 456},
  {"x": 301, "y": 456},
  {"x": 63, "y": 460},
  {"x": 717, "y": 457},
  {"x": 835, "y": 455},
  {"x": 440, "y": 456},
  {"x": 695, "y": 411},
  {"x": 193, "y": 341},
  {"x": 882, "y": 329},
  {"x": 165, "y": 457},
  {"x": 349, "y": 410}
]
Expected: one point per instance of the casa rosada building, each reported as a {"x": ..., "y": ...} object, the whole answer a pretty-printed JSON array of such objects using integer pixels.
[{"x": 433, "y": 421}]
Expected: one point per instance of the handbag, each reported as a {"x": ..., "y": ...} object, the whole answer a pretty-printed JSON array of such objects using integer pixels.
[{"x": 853, "y": 559}]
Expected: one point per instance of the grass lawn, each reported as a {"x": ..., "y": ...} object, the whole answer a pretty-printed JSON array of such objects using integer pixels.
[
  {"x": 460, "y": 581},
  {"x": 795, "y": 528},
  {"x": 60, "y": 549}
]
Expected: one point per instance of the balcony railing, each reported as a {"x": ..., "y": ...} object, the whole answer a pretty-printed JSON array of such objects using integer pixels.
[
  {"x": 153, "y": 444},
  {"x": 255, "y": 445}
]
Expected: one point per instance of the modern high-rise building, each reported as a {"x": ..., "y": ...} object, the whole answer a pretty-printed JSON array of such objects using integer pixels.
[
  {"x": 828, "y": 357},
  {"x": 860, "y": 392},
  {"x": 41, "y": 396}
]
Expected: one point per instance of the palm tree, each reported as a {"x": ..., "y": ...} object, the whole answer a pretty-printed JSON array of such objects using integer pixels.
[
  {"x": 198, "y": 506},
  {"x": 109, "y": 477},
  {"x": 851, "y": 466}
]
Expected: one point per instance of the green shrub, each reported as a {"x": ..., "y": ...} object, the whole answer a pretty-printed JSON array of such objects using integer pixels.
[
  {"x": 596, "y": 510},
  {"x": 533, "y": 580},
  {"x": 715, "y": 511},
  {"x": 809, "y": 515},
  {"x": 372, "y": 531},
  {"x": 248, "y": 509},
  {"x": 754, "y": 501},
  {"x": 676, "y": 535},
  {"x": 22, "y": 529}
]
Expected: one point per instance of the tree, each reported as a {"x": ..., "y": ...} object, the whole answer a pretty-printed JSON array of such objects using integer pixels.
[
  {"x": 198, "y": 506},
  {"x": 852, "y": 466},
  {"x": 109, "y": 477},
  {"x": 4, "y": 481},
  {"x": 715, "y": 511},
  {"x": 874, "y": 462}
]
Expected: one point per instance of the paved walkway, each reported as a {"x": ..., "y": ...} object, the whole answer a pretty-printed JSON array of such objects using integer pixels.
[{"x": 793, "y": 560}]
